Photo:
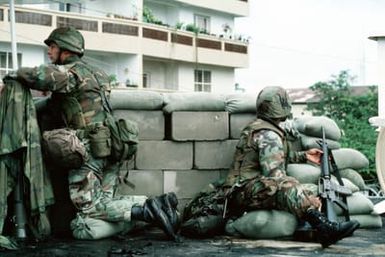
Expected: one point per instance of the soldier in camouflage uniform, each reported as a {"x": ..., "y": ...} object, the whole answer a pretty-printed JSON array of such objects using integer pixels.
[
  {"x": 258, "y": 177},
  {"x": 80, "y": 100}
]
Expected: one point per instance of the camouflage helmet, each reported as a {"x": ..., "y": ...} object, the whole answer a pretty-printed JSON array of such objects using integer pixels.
[
  {"x": 67, "y": 38},
  {"x": 273, "y": 103}
]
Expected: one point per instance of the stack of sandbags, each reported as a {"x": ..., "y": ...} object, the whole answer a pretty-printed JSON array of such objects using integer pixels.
[
  {"x": 349, "y": 162},
  {"x": 310, "y": 130}
]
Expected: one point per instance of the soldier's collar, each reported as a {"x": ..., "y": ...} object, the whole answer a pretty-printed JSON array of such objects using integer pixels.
[{"x": 71, "y": 59}]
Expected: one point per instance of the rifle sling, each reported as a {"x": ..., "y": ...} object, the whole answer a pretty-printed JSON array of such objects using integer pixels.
[{"x": 337, "y": 174}]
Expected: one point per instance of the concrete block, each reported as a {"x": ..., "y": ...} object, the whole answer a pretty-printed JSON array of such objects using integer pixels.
[
  {"x": 128, "y": 165},
  {"x": 150, "y": 123},
  {"x": 146, "y": 182},
  {"x": 155, "y": 155},
  {"x": 238, "y": 122},
  {"x": 199, "y": 126},
  {"x": 214, "y": 154},
  {"x": 188, "y": 182}
]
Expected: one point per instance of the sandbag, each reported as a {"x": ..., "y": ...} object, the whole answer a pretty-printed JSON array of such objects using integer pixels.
[
  {"x": 312, "y": 126},
  {"x": 136, "y": 100},
  {"x": 240, "y": 103},
  {"x": 263, "y": 224},
  {"x": 93, "y": 229},
  {"x": 354, "y": 177},
  {"x": 366, "y": 220},
  {"x": 303, "y": 172},
  {"x": 308, "y": 142},
  {"x": 350, "y": 158},
  {"x": 193, "y": 102},
  {"x": 347, "y": 183},
  {"x": 357, "y": 204}
]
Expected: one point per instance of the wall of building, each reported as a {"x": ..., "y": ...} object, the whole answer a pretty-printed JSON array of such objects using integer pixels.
[
  {"x": 31, "y": 55},
  {"x": 300, "y": 110},
  {"x": 157, "y": 73},
  {"x": 222, "y": 78},
  {"x": 127, "y": 9}
]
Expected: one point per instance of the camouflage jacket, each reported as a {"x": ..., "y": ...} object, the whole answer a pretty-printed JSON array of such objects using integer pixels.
[
  {"x": 262, "y": 150},
  {"x": 76, "y": 90}
]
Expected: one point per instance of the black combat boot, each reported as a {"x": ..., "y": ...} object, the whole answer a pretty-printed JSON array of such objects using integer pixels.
[
  {"x": 152, "y": 213},
  {"x": 169, "y": 206},
  {"x": 330, "y": 232}
]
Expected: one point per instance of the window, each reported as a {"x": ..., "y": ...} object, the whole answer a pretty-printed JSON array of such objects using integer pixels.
[
  {"x": 6, "y": 63},
  {"x": 202, "y": 22},
  {"x": 70, "y": 7},
  {"x": 202, "y": 79},
  {"x": 146, "y": 80}
]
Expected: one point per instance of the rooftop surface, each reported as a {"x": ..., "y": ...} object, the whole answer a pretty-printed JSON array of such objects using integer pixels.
[{"x": 364, "y": 242}]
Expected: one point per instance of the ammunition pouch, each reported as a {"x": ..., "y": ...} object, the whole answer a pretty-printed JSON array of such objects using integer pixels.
[{"x": 100, "y": 140}]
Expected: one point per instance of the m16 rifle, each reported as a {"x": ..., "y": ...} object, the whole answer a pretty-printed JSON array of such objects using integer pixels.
[{"x": 330, "y": 192}]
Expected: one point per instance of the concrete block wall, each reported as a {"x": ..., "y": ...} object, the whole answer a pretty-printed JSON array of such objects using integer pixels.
[{"x": 181, "y": 149}]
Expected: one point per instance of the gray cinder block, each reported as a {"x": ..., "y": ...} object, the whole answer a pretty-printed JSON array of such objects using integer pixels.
[
  {"x": 154, "y": 155},
  {"x": 214, "y": 154},
  {"x": 145, "y": 182},
  {"x": 201, "y": 126},
  {"x": 188, "y": 182},
  {"x": 150, "y": 123},
  {"x": 238, "y": 122}
]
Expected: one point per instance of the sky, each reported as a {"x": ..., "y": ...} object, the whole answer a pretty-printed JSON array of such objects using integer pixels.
[{"x": 296, "y": 43}]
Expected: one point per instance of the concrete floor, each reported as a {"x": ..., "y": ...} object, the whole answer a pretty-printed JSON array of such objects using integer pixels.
[{"x": 364, "y": 242}]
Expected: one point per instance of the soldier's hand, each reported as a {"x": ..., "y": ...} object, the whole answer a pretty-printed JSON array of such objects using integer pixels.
[
  {"x": 9, "y": 76},
  {"x": 314, "y": 155}
]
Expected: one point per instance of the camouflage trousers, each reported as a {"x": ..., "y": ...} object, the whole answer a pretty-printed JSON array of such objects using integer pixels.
[
  {"x": 100, "y": 212},
  {"x": 279, "y": 193}
]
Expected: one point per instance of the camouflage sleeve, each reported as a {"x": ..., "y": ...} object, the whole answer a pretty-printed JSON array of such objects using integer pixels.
[
  {"x": 297, "y": 157},
  {"x": 271, "y": 153},
  {"x": 47, "y": 78}
]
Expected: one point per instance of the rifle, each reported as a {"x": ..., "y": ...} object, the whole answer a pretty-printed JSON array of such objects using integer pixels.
[
  {"x": 330, "y": 192},
  {"x": 20, "y": 220}
]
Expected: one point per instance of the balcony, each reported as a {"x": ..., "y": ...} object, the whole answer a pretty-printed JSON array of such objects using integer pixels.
[
  {"x": 128, "y": 36},
  {"x": 238, "y": 8}
]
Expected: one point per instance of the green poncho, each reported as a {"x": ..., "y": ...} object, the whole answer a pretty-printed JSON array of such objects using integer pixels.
[{"x": 20, "y": 136}]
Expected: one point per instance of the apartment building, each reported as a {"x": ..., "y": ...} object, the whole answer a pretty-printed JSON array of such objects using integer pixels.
[{"x": 165, "y": 45}]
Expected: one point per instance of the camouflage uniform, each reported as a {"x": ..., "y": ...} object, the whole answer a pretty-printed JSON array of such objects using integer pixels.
[
  {"x": 258, "y": 178},
  {"x": 258, "y": 175},
  {"x": 77, "y": 90}
]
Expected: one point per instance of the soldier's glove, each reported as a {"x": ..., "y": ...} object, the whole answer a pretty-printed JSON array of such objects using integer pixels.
[{"x": 10, "y": 76}]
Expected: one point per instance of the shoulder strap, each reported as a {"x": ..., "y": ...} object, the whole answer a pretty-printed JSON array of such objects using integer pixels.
[{"x": 106, "y": 104}]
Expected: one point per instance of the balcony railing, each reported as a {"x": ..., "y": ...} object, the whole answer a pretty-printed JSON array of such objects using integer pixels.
[{"x": 125, "y": 28}]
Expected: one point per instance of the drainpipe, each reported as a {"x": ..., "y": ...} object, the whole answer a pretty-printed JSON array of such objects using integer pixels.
[
  {"x": 13, "y": 34},
  {"x": 380, "y": 120}
]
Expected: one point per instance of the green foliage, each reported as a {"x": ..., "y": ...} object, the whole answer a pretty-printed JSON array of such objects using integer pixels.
[
  {"x": 113, "y": 80},
  {"x": 351, "y": 112},
  {"x": 149, "y": 17},
  {"x": 192, "y": 28}
]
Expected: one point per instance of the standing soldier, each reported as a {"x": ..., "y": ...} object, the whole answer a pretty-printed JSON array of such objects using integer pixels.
[
  {"x": 80, "y": 104},
  {"x": 258, "y": 177}
]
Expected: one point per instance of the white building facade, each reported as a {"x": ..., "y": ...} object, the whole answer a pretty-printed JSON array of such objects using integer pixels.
[{"x": 164, "y": 45}]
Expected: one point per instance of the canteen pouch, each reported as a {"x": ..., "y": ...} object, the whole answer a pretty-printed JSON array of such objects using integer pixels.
[
  {"x": 124, "y": 138},
  {"x": 100, "y": 140}
]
